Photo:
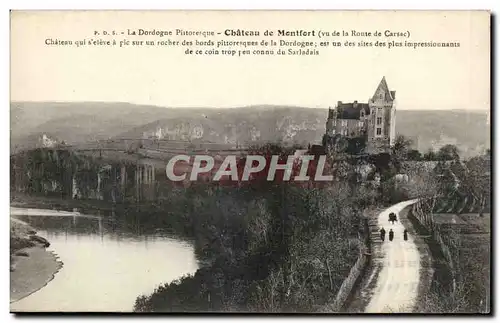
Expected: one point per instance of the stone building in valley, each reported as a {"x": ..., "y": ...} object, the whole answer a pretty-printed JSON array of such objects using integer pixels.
[{"x": 371, "y": 127}]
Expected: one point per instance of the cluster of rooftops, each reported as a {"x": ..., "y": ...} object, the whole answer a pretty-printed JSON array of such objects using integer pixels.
[{"x": 355, "y": 110}]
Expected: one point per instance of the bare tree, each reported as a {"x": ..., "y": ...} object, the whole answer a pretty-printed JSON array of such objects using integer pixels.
[{"x": 401, "y": 146}]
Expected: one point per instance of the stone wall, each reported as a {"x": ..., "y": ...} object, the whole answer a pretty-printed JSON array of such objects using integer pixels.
[
  {"x": 426, "y": 221},
  {"x": 355, "y": 274}
]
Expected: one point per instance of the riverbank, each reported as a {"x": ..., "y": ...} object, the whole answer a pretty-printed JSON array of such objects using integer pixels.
[
  {"x": 56, "y": 203},
  {"x": 31, "y": 265},
  {"x": 288, "y": 250}
]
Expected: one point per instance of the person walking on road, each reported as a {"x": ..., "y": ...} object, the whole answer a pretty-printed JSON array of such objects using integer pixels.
[
  {"x": 382, "y": 234},
  {"x": 405, "y": 234},
  {"x": 391, "y": 235}
]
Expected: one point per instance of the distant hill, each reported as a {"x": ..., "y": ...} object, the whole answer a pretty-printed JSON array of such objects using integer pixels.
[{"x": 81, "y": 122}]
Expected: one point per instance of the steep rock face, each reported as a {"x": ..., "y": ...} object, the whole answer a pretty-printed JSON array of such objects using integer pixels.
[
  {"x": 427, "y": 129},
  {"x": 237, "y": 130}
]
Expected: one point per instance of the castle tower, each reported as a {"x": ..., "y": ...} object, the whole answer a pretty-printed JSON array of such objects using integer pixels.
[{"x": 382, "y": 121}]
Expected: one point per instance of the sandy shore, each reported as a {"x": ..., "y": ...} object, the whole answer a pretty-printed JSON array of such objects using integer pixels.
[{"x": 32, "y": 266}]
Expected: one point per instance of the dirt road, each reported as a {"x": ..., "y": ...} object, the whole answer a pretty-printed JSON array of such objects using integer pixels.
[{"x": 396, "y": 285}]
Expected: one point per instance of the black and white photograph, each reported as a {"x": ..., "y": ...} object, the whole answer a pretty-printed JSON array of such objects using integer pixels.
[{"x": 269, "y": 162}]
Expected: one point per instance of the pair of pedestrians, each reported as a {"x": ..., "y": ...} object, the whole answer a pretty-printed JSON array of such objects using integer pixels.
[{"x": 391, "y": 234}]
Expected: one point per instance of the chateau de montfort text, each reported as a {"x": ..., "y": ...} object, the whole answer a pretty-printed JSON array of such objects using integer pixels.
[{"x": 279, "y": 33}]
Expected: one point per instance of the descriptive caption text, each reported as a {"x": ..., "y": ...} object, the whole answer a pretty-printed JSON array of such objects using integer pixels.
[{"x": 240, "y": 43}]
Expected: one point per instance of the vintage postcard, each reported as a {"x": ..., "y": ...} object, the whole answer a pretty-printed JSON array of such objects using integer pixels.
[{"x": 250, "y": 161}]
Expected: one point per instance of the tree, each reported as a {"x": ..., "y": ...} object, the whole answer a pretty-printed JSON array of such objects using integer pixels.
[
  {"x": 477, "y": 180},
  {"x": 356, "y": 145},
  {"x": 399, "y": 152},
  {"x": 275, "y": 246},
  {"x": 413, "y": 154},
  {"x": 401, "y": 146},
  {"x": 448, "y": 152},
  {"x": 325, "y": 140},
  {"x": 430, "y": 155}
]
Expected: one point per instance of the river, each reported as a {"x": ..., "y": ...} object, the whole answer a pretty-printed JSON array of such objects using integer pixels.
[{"x": 107, "y": 263}]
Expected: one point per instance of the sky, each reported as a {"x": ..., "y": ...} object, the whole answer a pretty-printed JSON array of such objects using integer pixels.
[{"x": 426, "y": 78}]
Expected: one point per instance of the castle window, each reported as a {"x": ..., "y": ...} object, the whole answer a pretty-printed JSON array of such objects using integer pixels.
[
  {"x": 379, "y": 131},
  {"x": 381, "y": 95},
  {"x": 379, "y": 120}
]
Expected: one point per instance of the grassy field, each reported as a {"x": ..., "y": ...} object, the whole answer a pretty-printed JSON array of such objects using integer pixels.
[{"x": 468, "y": 238}]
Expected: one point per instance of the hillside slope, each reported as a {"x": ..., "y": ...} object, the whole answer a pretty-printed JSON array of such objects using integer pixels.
[{"x": 87, "y": 121}]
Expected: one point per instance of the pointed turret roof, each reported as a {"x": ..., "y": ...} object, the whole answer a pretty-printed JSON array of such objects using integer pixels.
[{"x": 383, "y": 85}]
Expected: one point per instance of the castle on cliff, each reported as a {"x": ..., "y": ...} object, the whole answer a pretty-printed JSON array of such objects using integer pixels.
[{"x": 370, "y": 125}]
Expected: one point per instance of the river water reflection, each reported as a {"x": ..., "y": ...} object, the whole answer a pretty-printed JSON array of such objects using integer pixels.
[{"x": 107, "y": 263}]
